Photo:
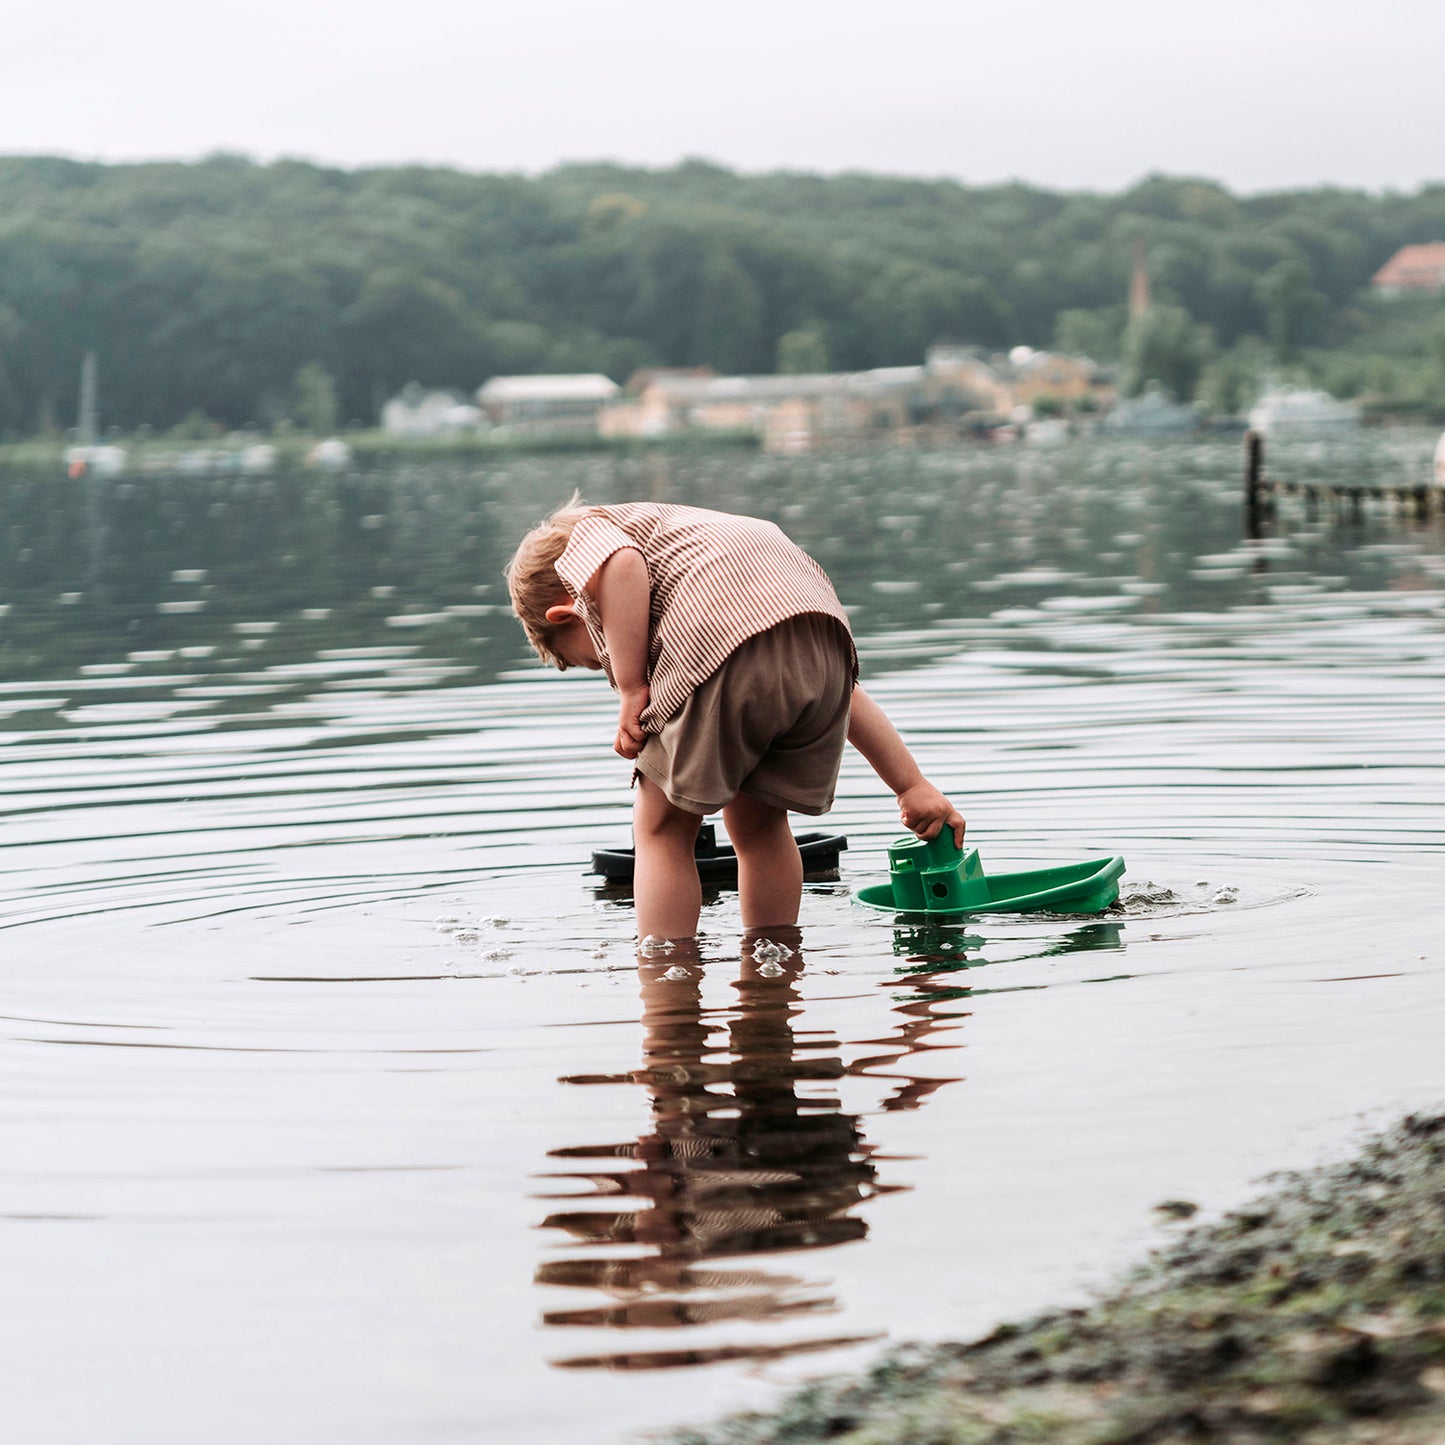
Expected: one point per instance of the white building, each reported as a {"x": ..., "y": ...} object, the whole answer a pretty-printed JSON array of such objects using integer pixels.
[{"x": 547, "y": 403}]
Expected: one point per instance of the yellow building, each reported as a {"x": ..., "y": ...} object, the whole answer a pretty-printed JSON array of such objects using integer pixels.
[
  {"x": 1051, "y": 373},
  {"x": 800, "y": 408}
]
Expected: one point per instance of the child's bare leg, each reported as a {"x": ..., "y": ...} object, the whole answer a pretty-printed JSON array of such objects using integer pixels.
[
  {"x": 770, "y": 868},
  {"x": 665, "y": 884}
]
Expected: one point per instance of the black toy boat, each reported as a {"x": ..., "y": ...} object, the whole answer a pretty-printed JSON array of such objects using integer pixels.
[{"x": 718, "y": 863}]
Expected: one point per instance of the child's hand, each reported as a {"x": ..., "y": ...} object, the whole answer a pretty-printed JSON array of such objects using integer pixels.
[
  {"x": 630, "y": 736},
  {"x": 926, "y": 812}
]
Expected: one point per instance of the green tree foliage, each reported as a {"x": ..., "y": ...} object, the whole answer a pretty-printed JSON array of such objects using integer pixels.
[
  {"x": 1232, "y": 381},
  {"x": 803, "y": 350},
  {"x": 315, "y": 405},
  {"x": 1165, "y": 346},
  {"x": 1290, "y": 302},
  {"x": 401, "y": 327},
  {"x": 1437, "y": 347},
  {"x": 11, "y": 330},
  {"x": 1098, "y": 334},
  {"x": 207, "y": 287}
]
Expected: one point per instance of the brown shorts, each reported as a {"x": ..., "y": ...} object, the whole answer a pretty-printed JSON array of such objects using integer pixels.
[{"x": 770, "y": 722}]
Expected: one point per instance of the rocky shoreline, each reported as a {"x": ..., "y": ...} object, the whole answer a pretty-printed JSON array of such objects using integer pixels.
[{"x": 1315, "y": 1314}]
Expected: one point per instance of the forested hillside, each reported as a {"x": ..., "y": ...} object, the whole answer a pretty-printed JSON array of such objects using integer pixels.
[{"x": 207, "y": 287}]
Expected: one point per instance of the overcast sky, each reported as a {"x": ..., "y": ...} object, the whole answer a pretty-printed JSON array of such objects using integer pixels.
[{"x": 1257, "y": 93}]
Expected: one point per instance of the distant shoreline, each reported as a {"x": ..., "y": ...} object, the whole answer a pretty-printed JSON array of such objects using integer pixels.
[{"x": 244, "y": 295}]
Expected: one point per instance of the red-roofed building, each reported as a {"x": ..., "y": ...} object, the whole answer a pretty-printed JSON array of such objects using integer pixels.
[{"x": 1412, "y": 268}]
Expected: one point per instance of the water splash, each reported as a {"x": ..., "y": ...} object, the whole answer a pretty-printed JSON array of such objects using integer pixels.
[
  {"x": 765, "y": 951},
  {"x": 1140, "y": 897}
]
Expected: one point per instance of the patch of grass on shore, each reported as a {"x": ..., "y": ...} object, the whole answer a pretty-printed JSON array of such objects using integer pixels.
[
  {"x": 38, "y": 453},
  {"x": 1316, "y": 1314},
  {"x": 372, "y": 447},
  {"x": 376, "y": 445}
]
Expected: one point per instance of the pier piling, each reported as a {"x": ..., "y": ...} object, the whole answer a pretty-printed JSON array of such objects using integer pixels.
[
  {"x": 1408, "y": 500},
  {"x": 1253, "y": 483}
]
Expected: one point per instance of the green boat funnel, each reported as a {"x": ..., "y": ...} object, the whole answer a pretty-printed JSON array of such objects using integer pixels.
[{"x": 935, "y": 877}]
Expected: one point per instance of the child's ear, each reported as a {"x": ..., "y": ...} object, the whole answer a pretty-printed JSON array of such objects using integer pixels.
[{"x": 560, "y": 612}]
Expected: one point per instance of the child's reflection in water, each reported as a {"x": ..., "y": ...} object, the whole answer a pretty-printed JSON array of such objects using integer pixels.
[
  {"x": 750, "y": 1152},
  {"x": 746, "y": 1156}
]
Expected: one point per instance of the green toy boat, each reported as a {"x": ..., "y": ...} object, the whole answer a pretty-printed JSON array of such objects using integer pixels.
[{"x": 934, "y": 877}]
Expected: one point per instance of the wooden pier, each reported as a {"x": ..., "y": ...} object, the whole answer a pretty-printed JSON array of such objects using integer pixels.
[{"x": 1418, "y": 501}]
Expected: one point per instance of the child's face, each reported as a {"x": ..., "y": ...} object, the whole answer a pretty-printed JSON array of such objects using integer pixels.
[
  {"x": 573, "y": 644},
  {"x": 571, "y": 641}
]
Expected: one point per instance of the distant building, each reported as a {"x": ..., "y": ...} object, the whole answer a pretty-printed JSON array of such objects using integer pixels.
[
  {"x": 788, "y": 412},
  {"x": 1051, "y": 373},
  {"x": 548, "y": 403},
  {"x": 642, "y": 378},
  {"x": 958, "y": 379},
  {"x": 417, "y": 412},
  {"x": 1412, "y": 270}
]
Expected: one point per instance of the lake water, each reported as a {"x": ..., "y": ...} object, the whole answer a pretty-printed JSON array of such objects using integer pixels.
[{"x": 337, "y": 1107}]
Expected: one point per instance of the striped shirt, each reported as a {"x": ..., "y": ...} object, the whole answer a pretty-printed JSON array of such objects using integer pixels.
[{"x": 716, "y": 579}]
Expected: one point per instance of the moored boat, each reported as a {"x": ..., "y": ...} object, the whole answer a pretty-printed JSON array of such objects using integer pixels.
[
  {"x": 1297, "y": 409},
  {"x": 717, "y": 863}
]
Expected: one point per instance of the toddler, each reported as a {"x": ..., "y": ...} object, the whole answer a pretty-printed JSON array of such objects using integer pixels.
[{"x": 737, "y": 679}]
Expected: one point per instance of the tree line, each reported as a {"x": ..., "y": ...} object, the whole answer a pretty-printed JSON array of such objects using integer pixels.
[{"x": 249, "y": 293}]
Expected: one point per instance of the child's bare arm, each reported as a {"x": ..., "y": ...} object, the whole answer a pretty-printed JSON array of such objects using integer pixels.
[
  {"x": 622, "y": 591},
  {"x": 922, "y": 807}
]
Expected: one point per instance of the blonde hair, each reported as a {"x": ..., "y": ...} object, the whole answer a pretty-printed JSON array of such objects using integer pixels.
[{"x": 532, "y": 577}]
